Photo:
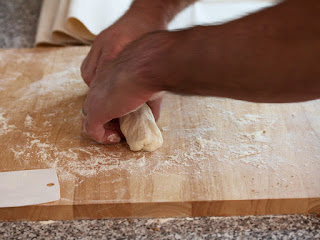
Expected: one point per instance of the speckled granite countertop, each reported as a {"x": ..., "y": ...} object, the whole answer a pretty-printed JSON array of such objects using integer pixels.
[
  {"x": 18, "y": 24},
  {"x": 262, "y": 227}
]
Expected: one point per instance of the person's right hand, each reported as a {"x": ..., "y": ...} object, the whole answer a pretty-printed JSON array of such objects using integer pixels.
[
  {"x": 144, "y": 16},
  {"x": 110, "y": 42},
  {"x": 107, "y": 45},
  {"x": 134, "y": 77}
]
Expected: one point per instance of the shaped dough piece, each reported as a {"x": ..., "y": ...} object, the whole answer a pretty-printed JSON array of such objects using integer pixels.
[{"x": 141, "y": 130}]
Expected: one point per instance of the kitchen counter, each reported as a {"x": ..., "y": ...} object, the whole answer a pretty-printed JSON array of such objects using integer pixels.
[{"x": 254, "y": 227}]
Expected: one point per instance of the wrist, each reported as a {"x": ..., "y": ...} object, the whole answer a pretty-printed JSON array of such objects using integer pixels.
[
  {"x": 148, "y": 14},
  {"x": 159, "y": 12},
  {"x": 189, "y": 61},
  {"x": 157, "y": 66},
  {"x": 182, "y": 61}
]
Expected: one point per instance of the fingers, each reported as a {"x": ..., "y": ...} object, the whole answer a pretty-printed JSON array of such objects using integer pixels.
[
  {"x": 155, "y": 106},
  {"x": 89, "y": 65},
  {"x": 102, "y": 134},
  {"x": 99, "y": 55},
  {"x": 97, "y": 124}
]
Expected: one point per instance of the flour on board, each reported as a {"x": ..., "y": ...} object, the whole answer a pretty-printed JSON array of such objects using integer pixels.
[
  {"x": 59, "y": 96},
  {"x": 28, "y": 122},
  {"x": 5, "y": 127},
  {"x": 200, "y": 143}
]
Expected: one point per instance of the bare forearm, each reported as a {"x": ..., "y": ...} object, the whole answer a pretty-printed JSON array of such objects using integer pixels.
[
  {"x": 270, "y": 56},
  {"x": 162, "y": 11}
]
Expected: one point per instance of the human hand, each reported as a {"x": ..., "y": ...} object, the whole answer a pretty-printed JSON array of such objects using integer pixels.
[
  {"x": 110, "y": 42},
  {"x": 127, "y": 82},
  {"x": 114, "y": 85}
]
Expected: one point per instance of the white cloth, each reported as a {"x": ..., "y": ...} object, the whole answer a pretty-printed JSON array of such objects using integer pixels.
[{"x": 65, "y": 22}]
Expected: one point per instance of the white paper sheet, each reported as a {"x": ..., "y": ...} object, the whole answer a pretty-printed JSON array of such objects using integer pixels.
[
  {"x": 45, "y": 23},
  {"x": 22, "y": 188},
  {"x": 79, "y": 21},
  {"x": 60, "y": 32}
]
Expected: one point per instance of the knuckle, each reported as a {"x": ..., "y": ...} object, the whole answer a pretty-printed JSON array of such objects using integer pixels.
[
  {"x": 86, "y": 77},
  {"x": 83, "y": 68}
]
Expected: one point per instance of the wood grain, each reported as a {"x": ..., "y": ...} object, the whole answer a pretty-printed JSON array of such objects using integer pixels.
[{"x": 220, "y": 157}]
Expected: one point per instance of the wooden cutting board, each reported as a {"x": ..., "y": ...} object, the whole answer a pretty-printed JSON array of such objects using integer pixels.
[{"x": 220, "y": 157}]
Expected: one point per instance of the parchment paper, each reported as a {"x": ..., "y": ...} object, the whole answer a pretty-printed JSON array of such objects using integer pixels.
[{"x": 69, "y": 22}]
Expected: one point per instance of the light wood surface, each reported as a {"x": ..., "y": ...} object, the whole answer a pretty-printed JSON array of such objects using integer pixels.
[{"x": 220, "y": 157}]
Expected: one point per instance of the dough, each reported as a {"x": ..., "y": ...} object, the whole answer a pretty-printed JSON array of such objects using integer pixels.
[{"x": 141, "y": 130}]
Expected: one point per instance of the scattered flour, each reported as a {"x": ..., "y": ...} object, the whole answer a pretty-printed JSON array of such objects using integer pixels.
[
  {"x": 187, "y": 147},
  {"x": 55, "y": 82},
  {"x": 47, "y": 123},
  {"x": 113, "y": 138},
  {"x": 28, "y": 122},
  {"x": 5, "y": 127},
  {"x": 255, "y": 149},
  {"x": 247, "y": 119}
]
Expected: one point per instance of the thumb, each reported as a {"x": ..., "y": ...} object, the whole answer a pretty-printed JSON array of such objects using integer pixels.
[
  {"x": 98, "y": 132},
  {"x": 155, "y": 103}
]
